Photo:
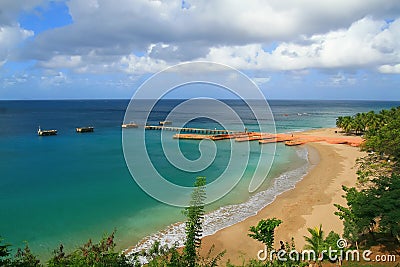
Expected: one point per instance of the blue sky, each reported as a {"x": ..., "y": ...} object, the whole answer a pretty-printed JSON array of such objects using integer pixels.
[{"x": 293, "y": 49}]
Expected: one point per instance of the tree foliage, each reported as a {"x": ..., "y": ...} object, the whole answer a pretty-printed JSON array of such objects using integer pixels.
[
  {"x": 374, "y": 207},
  {"x": 316, "y": 241},
  {"x": 385, "y": 195},
  {"x": 4, "y": 253},
  {"x": 90, "y": 254},
  {"x": 23, "y": 257},
  {"x": 194, "y": 223},
  {"x": 265, "y": 231},
  {"x": 385, "y": 140},
  {"x": 367, "y": 122},
  {"x": 381, "y": 130}
]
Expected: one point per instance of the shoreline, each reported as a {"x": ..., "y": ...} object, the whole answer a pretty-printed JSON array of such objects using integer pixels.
[
  {"x": 307, "y": 205},
  {"x": 226, "y": 216},
  {"x": 320, "y": 171}
]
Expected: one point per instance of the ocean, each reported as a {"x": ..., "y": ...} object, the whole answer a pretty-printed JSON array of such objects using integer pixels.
[{"x": 72, "y": 187}]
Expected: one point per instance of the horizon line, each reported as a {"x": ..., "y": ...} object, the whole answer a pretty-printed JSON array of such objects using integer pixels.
[{"x": 252, "y": 99}]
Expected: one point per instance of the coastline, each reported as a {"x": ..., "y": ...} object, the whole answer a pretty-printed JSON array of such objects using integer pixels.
[
  {"x": 299, "y": 205},
  {"x": 307, "y": 205},
  {"x": 225, "y": 216}
]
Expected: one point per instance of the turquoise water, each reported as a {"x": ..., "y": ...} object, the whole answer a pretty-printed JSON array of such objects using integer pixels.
[{"x": 72, "y": 187}]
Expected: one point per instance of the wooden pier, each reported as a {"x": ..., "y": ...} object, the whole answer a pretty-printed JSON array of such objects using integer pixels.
[
  {"x": 190, "y": 130},
  {"x": 262, "y": 138},
  {"x": 215, "y": 137}
]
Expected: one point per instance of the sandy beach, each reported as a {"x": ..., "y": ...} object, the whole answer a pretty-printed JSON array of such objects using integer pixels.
[{"x": 309, "y": 204}]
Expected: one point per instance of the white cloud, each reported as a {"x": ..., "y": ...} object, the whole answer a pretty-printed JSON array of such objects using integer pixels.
[
  {"x": 390, "y": 69},
  {"x": 10, "y": 37},
  {"x": 10, "y": 10},
  {"x": 59, "y": 61},
  {"x": 365, "y": 44},
  {"x": 139, "y": 65},
  {"x": 145, "y": 36},
  {"x": 180, "y": 34}
]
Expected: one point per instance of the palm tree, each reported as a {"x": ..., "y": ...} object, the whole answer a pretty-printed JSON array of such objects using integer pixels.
[
  {"x": 347, "y": 124},
  {"x": 316, "y": 241},
  {"x": 372, "y": 121},
  {"x": 359, "y": 123},
  {"x": 339, "y": 122}
]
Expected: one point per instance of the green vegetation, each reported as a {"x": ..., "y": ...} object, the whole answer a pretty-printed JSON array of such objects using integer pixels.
[
  {"x": 373, "y": 208},
  {"x": 381, "y": 131},
  {"x": 318, "y": 243},
  {"x": 363, "y": 122},
  {"x": 23, "y": 257},
  {"x": 4, "y": 253},
  {"x": 194, "y": 224},
  {"x": 264, "y": 232},
  {"x": 90, "y": 254},
  {"x": 96, "y": 255}
]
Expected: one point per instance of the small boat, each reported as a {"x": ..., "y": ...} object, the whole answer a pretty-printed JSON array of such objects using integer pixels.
[
  {"x": 294, "y": 142},
  {"x": 268, "y": 140},
  {"x": 41, "y": 132},
  {"x": 165, "y": 123},
  {"x": 85, "y": 129},
  {"x": 129, "y": 125}
]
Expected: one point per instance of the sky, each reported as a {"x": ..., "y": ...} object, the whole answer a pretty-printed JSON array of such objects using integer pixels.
[{"x": 292, "y": 49}]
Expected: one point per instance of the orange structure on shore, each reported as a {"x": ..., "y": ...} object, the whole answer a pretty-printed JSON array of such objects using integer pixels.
[
  {"x": 265, "y": 138},
  {"x": 333, "y": 136}
]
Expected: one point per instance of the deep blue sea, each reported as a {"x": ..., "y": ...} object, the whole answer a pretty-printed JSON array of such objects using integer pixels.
[{"x": 72, "y": 187}]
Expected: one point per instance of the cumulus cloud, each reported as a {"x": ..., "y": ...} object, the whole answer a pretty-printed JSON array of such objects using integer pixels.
[
  {"x": 11, "y": 33},
  {"x": 390, "y": 69},
  {"x": 10, "y": 10},
  {"x": 145, "y": 36},
  {"x": 10, "y": 37},
  {"x": 129, "y": 24},
  {"x": 140, "y": 65},
  {"x": 62, "y": 62},
  {"x": 366, "y": 43}
]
